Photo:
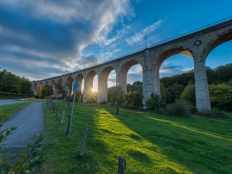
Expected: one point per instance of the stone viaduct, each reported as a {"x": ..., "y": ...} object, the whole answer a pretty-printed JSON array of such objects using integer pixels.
[{"x": 197, "y": 45}]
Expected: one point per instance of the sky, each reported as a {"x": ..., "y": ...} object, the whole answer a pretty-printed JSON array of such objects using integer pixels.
[{"x": 46, "y": 38}]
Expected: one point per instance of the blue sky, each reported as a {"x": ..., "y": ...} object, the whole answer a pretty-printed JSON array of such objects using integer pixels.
[{"x": 41, "y": 39}]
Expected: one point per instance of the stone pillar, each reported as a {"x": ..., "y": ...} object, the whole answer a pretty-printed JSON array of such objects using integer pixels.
[
  {"x": 102, "y": 94},
  {"x": 201, "y": 87},
  {"x": 151, "y": 82},
  {"x": 87, "y": 88},
  {"x": 121, "y": 79}
]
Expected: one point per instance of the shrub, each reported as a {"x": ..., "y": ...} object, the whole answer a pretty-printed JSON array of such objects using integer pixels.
[
  {"x": 221, "y": 96},
  {"x": 178, "y": 109},
  {"x": 155, "y": 102},
  {"x": 103, "y": 102},
  {"x": 189, "y": 94},
  {"x": 214, "y": 113}
]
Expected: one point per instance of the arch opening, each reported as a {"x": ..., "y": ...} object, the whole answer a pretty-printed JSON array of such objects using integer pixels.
[
  {"x": 173, "y": 73},
  {"x": 130, "y": 72},
  {"x": 107, "y": 77},
  {"x": 219, "y": 75},
  {"x": 81, "y": 80},
  {"x": 69, "y": 86},
  {"x": 89, "y": 94}
]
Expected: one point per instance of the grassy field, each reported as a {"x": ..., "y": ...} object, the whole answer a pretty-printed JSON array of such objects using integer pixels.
[
  {"x": 151, "y": 143},
  {"x": 11, "y": 109}
]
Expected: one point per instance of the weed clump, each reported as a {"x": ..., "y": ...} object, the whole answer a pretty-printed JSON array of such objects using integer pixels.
[{"x": 181, "y": 109}]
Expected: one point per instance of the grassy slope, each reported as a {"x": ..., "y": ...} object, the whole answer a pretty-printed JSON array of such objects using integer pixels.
[
  {"x": 150, "y": 143},
  {"x": 11, "y": 109}
]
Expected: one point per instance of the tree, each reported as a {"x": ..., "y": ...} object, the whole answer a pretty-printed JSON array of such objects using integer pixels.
[
  {"x": 175, "y": 91},
  {"x": 10, "y": 83},
  {"x": 25, "y": 86},
  {"x": 134, "y": 98},
  {"x": 155, "y": 102},
  {"x": 224, "y": 73},
  {"x": 39, "y": 91},
  {"x": 47, "y": 91},
  {"x": 136, "y": 86},
  {"x": 115, "y": 94},
  {"x": 65, "y": 91},
  {"x": 189, "y": 94},
  {"x": 221, "y": 96}
]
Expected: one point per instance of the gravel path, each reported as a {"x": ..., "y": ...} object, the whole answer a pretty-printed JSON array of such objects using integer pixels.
[{"x": 30, "y": 121}]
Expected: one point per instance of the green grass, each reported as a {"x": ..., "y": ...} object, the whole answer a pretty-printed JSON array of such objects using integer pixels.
[
  {"x": 8, "y": 110},
  {"x": 151, "y": 143}
]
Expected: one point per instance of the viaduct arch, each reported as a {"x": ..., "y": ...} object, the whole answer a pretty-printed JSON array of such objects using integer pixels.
[{"x": 197, "y": 45}]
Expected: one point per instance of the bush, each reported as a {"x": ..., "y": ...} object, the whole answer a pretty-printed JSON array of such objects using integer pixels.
[
  {"x": 214, "y": 113},
  {"x": 103, "y": 102},
  {"x": 189, "y": 94},
  {"x": 178, "y": 109},
  {"x": 155, "y": 102},
  {"x": 221, "y": 96}
]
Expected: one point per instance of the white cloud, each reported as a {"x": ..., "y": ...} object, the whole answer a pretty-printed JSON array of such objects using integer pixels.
[
  {"x": 58, "y": 31},
  {"x": 138, "y": 37}
]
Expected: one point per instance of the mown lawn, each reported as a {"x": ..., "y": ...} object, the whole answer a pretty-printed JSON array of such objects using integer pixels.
[{"x": 151, "y": 143}]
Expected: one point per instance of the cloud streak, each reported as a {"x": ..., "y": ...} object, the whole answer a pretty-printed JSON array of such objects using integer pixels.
[
  {"x": 54, "y": 33},
  {"x": 138, "y": 37}
]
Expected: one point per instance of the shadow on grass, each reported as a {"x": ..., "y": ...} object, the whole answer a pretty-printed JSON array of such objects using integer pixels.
[
  {"x": 62, "y": 156},
  {"x": 137, "y": 155},
  {"x": 196, "y": 149}
]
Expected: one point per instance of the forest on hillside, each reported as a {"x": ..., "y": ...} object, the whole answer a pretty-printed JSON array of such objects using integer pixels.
[{"x": 11, "y": 84}]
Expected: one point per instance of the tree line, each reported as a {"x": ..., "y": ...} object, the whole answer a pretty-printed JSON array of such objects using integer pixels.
[{"x": 12, "y": 84}]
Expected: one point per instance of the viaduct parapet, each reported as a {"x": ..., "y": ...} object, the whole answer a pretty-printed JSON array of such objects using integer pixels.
[{"x": 197, "y": 45}]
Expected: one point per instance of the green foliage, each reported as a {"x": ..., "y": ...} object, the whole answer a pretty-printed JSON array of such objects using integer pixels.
[
  {"x": 11, "y": 83},
  {"x": 136, "y": 86},
  {"x": 189, "y": 94},
  {"x": 65, "y": 91},
  {"x": 115, "y": 94},
  {"x": 221, "y": 96},
  {"x": 178, "y": 109},
  {"x": 155, "y": 102},
  {"x": 134, "y": 98},
  {"x": 47, "y": 91},
  {"x": 27, "y": 162},
  {"x": 25, "y": 86},
  {"x": 214, "y": 113},
  {"x": 224, "y": 73}
]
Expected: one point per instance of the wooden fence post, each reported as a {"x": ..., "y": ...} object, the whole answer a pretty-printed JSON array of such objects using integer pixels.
[
  {"x": 83, "y": 143},
  {"x": 121, "y": 165},
  {"x": 56, "y": 111},
  {"x": 62, "y": 119},
  {"x": 69, "y": 120}
]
